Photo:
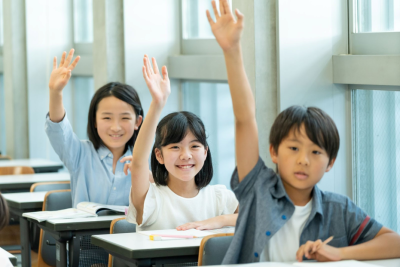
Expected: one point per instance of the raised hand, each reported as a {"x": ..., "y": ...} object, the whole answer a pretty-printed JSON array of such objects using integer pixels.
[
  {"x": 159, "y": 87},
  {"x": 226, "y": 29},
  {"x": 60, "y": 76}
]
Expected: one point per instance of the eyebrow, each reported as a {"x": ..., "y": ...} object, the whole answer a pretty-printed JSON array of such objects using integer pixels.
[{"x": 110, "y": 113}]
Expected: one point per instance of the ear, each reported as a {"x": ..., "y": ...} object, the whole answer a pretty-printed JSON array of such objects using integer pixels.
[
  {"x": 205, "y": 152},
  {"x": 330, "y": 165},
  {"x": 159, "y": 156},
  {"x": 139, "y": 120},
  {"x": 274, "y": 155}
]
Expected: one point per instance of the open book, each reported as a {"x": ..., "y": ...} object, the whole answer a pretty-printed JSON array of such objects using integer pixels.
[{"x": 83, "y": 209}]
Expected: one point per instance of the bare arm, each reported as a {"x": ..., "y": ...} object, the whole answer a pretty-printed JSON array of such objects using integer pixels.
[
  {"x": 384, "y": 245},
  {"x": 58, "y": 80},
  {"x": 159, "y": 88},
  {"x": 227, "y": 31},
  {"x": 212, "y": 223}
]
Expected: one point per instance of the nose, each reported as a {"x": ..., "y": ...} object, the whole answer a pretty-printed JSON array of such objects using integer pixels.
[
  {"x": 115, "y": 127},
  {"x": 185, "y": 154},
  {"x": 303, "y": 159}
]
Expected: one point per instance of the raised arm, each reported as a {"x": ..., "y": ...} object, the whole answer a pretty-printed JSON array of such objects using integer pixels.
[
  {"x": 228, "y": 31},
  {"x": 58, "y": 80},
  {"x": 159, "y": 88}
]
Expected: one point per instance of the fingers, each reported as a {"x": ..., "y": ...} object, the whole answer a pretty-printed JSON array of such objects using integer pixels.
[
  {"x": 155, "y": 65},
  {"x": 225, "y": 4},
  {"x": 145, "y": 74},
  {"x": 316, "y": 246},
  {"x": 210, "y": 20},
  {"x": 146, "y": 61},
  {"x": 54, "y": 63},
  {"x": 214, "y": 5},
  {"x": 62, "y": 59},
  {"x": 221, "y": 7},
  {"x": 73, "y": 64},
  {"x": 69, "y": 58},
  {"x": 126, "y": 167},
  {"x": 239, "y": 17},
  {"x": 126, "y": 159},
  {"x": 165, "y": 73}
]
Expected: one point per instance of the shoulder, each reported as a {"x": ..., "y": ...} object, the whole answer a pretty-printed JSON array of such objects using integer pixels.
[{"x": 334, "y": 199}]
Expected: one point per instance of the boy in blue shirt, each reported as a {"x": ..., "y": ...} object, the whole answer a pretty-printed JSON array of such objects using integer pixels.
[{"x": 284, "y": 216}]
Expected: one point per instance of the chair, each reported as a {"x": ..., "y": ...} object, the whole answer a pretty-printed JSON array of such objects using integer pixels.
[
  {"x": 118, "y": 226},
  {"x": 4, "y": 157},
  {"x": 213, "y": 249},
  {"x": 53, "y": 200},
  {"x": 16, "y": 170},
  {"x": 48, "y": 186}
]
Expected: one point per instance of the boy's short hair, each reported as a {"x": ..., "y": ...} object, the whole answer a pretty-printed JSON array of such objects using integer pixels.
[
  {"x": 319, "y": 127},
  {"x": 4, "y": 215}
]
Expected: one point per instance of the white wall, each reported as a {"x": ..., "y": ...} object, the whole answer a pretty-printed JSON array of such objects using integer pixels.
[
  {"x": 151, "y": 27},
  {"x": 49, "y": 33},
  {"x": 310, "y": 32}
]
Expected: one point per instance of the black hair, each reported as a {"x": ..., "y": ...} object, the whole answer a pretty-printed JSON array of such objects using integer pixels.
[
  {"x": 121, "y": 91},
  {"x": 172, "y": 129},
  {"x": 4, "y": 215},
  {"x": 319, "y": 127}
]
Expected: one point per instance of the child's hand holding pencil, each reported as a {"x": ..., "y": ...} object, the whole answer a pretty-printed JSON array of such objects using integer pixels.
[{"x": 319, "y": 251}]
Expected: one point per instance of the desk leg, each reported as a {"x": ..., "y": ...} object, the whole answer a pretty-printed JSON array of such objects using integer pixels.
[
  {"x": 25, "y": 246},
  {"x": 61, "y": 254},
  {"x": 74, "y": 250}
]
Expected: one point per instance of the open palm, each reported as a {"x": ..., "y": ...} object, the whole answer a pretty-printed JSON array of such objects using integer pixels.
[
  {"x": 60, "y": 76},
  {"x": 226, "y": 29},
  {"x": 159, "y": 87}
]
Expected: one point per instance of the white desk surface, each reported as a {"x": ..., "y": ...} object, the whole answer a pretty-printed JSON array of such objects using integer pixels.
[
  {"x": 35, "y": 178},
  {"x": 84, "y": 220},
  {"x": 135, "y": 241},
  {"x": 27, "y": 197},
  {"x": 34, "y": 163},
  {"x": 12, "y": 258}
]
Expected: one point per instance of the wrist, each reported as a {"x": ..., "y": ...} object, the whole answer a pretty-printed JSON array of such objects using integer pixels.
[
  {"x": 343, "y": 253},
  {"x": 234, "y": 50}
]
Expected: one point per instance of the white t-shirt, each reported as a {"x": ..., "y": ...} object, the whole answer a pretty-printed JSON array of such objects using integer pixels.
[
  {"x": 284, "y": 244},
  {"x": 4, "y": 260},
  {"x": 163, "y": 209}
]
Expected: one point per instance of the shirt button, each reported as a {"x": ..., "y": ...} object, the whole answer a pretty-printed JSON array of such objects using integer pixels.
[
  {"x": 115, "y": 188},
  {"x": 283, "y": 217},
  {"x": 256, "y": 254},
  {"x": 268, "y": 233},
  {"x": 109, "y": 155}
]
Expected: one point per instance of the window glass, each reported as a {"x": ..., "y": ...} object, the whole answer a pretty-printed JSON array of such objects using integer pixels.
[
  {"x": 82, "y": 93},
  {"x": 376, "y": 128},
  {"x": 83, "y": 21},
  {"x": 194, "y": 19},
  {"x": 1, "y": 24},
  {"x": 3, "y": 146},
  {"x": 212, "y": 103},
  {"x": 377, "y": 15}
]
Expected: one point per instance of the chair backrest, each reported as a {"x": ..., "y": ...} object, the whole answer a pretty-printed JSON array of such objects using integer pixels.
[
  {"x": 118, "y": 226},
  {"x": 4, "y": 157},
  {"x": 47, "y": 186},
  {"x": 16, "y": 170},
  {"x": 213, "y": 249},
  {"x": 54, "y": 200}
]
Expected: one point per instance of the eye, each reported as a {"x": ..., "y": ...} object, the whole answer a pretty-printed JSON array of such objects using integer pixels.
[
  {"x": 293, "y": 148},
  {"x": 126, "y": 118},
  {"x": 106, "y": 118},
  {"x": 174, "y": 147},
  {"x": 316, "y": 152}
]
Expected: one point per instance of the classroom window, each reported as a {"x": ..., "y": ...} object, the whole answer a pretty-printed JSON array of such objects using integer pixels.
[
  {"x": 3, "y": 143},
  {"x": 212, "y": 103},
  {"x": 377, "y": 15},
  {"x": 83, "y": 21},
  {"x": 376, "y": 154}
]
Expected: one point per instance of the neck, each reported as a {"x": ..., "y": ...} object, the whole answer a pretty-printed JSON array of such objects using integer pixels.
[
  {"x": 299, "y": 197},
  {"x": 117, "y": 153},
  {"x": 187, "y": 189}
]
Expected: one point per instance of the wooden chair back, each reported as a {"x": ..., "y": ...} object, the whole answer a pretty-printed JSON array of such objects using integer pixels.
[
  {"x": 203, "y": 245},
  {"x": 119, "y": 226},
  {"x": 47, "y": 186},
  {"x": 16, "y": 170},
  {"x": 4, "y": 157}
]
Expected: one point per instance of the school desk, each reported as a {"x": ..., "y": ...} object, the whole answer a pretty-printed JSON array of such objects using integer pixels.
[
  {"x": 23, "y": 182},
  {"x": 140, "y": 250},
  {"x": 38, "y": 165},
  {"x": 69, "y": 230},
  {"x": 11, "y": 257},
  {"x": 19, "y": 203}
]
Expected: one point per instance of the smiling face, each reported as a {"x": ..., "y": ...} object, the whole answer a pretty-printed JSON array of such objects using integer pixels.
[
  {"x": 301, "y": 163},
  {"x": 115, "y": 123},
  {"x": 183, "y": 160}
]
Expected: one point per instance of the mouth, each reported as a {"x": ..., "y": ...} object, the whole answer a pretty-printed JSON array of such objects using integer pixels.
[
  {"x": 301, "y": 175},
  {"x": 115, "y": 136},
  {"x": 185, "y": 167}
]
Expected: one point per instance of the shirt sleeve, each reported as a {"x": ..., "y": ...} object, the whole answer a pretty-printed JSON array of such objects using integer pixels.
[
  {"x": 361, "y": 227},
  {"x": 151, "y": 207},
  {"x": 64, "y": 142},
  {"x": 227, "y": 201}
]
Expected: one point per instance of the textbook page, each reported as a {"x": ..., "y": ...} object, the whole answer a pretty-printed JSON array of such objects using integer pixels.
[
  {"x": 71, "y": 213},
  {"x": 93, "y": 208},
  {"x": 350, "y": 263}
]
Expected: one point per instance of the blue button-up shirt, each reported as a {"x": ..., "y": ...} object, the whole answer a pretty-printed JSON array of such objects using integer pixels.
[
  {"x": 265, "y": 208},
  {"x": 92, "y": 177}
]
